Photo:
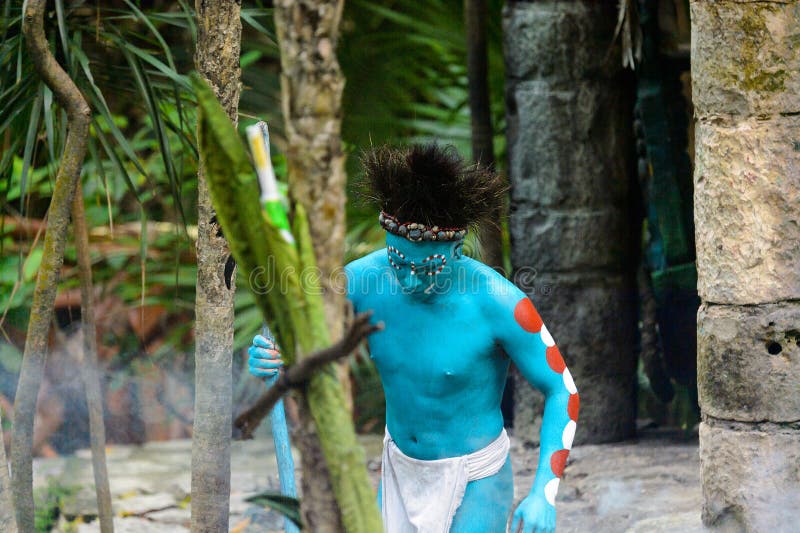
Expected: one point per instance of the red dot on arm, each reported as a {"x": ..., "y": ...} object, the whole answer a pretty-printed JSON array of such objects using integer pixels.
[
  {"x": 555, "y": 360},
  {"x": 558, "y": 461},
  {"x": 527, "y": 317},
  {"x": 573, "y": 407}
]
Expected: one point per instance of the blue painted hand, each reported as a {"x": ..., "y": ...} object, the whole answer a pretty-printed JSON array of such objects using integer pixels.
[
  {"x": 534, "y": 515},
  {"x": 265, "y": 359}
]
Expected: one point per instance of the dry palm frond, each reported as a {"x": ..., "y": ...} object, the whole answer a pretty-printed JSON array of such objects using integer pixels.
[{"x": 629, "y": 32}]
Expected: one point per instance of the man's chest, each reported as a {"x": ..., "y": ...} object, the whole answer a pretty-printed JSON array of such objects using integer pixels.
[{"x": 439, "y": 344}]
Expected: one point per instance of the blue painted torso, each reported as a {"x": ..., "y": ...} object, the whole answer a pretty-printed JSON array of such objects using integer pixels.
[{"x": 442, "y": 372}]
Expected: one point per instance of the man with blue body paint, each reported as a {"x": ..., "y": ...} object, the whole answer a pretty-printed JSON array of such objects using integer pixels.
[{"x": 452, "y": 325}]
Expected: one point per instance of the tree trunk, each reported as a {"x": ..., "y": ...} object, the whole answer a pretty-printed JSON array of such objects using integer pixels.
[
  {"x": 569, "y": 107},
  {"x": 89, "y": 367},
  {"x": 311, "y": 96},
  {"x": 219, "y": 32},
  {"x": 311, "y": 88},
  {"x": 475, "y": 13},
  {"x": 78, "y": 117},
  {"x": 746, "y": 92}
]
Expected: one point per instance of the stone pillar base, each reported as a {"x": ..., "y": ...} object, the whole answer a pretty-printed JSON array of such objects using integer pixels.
[{"x": 750, "y": 475}]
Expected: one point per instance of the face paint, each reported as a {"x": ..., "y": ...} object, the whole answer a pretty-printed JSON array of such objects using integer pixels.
[{"x": 421, "y": 267}]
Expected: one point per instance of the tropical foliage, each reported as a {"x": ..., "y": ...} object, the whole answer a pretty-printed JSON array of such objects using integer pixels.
[{"x": 404, "y": 62}]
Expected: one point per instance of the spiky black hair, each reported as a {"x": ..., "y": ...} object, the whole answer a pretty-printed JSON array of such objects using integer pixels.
[{"x": 433, "y": 185}]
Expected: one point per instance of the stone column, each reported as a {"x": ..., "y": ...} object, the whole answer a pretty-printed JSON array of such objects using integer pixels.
[
  {"x": 569, "y": 107},
  {"x": 746, "y": 91}
]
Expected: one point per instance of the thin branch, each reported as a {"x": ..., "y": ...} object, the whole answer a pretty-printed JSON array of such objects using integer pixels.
[
  {"x": 91, "y": 379},
  {"x": 33, "y": 360},
  {"x": 300, "y": 373}
]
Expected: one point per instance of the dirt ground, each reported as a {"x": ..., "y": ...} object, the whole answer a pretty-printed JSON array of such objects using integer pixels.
[{"x": 648, "y": 485}]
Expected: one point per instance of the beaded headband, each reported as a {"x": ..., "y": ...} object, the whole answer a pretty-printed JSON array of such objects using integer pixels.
[{"x": 415, "y": 231}]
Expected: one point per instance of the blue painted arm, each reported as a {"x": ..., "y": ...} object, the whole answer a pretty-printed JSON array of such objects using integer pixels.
[
  {"x": 264, "y": 362},
  {"x": 525, "y": 338}
]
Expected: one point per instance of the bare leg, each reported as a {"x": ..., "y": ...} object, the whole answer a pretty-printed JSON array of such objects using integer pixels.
[{"x": 487, "y": 504}]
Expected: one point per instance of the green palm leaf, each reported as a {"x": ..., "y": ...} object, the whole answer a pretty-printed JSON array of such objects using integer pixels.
[{"x": 286, "y": 505}]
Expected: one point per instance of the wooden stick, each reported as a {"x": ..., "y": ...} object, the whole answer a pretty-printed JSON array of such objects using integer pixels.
[{"x": 91, "y": 378}]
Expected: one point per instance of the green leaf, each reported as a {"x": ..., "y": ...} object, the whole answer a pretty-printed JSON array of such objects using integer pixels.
[
  {"x": 5, "y": 22},
  {"x": 188, "y": 13},
  {"x": 249, "y": 58},
  {"x": 6, "y": 164},
  {"x": 141, "y": 16},
  {"x": 101, "y": 174},
  {"x": 146, "y": 90},
  {"x": 17, "y": 99},
  {"x": 112, "y": 154},
  {"x": 150, "y": 59},
  {"x": 30, "y": 142},
  {"x": 48, "y": 124},
  {"x": 286, "y": 505},
  {"x": 62, "y": 29},
  {"x": 31, "y": 265},
  {"x": 247, "y": 16},
  {"x": 98, "y": 102}
]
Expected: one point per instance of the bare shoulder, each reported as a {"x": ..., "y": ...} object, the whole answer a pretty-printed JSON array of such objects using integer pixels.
[
  {"x": 362, "y": 265},
  {"x": 499, "y": 297},
  {"x": 363, "y": 274},
  {"x": 510, "y": 314}
]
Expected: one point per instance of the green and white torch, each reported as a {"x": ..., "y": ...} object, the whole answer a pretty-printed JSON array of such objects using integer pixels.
[
  {"x": 271, "y": 197},
  {"x": 273, "y": 202}
]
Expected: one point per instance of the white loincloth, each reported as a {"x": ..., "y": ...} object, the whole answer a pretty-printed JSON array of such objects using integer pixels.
[{"x": 423, "y": 496}]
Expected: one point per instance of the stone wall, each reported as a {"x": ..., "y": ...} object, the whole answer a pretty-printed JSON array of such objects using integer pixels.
[
  {"x": 569, "y": 141},
  {"x": 746, "y": 91}
]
